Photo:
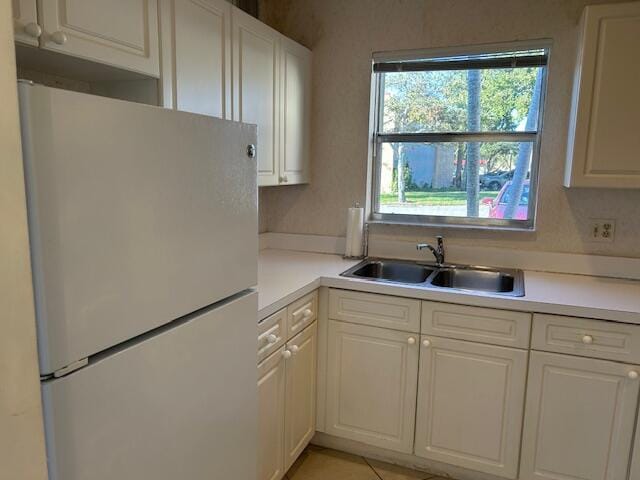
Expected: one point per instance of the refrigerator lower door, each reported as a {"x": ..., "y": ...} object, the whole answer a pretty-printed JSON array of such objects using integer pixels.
[
  {"x": 138, "y": 215},
  {"x": 181, "y": 404}
]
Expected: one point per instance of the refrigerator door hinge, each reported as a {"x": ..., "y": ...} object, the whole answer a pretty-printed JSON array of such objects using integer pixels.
[{"x": 72, "y": 367}]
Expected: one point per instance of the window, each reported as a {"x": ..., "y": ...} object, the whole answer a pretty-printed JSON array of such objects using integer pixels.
[{"x": 456, "y": 137}]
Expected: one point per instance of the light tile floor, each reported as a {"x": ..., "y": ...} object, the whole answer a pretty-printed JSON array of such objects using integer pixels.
[{"x": 317, "y": 463}]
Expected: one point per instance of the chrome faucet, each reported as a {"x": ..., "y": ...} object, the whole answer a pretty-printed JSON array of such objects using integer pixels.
[{"x": 438, "y": 252}]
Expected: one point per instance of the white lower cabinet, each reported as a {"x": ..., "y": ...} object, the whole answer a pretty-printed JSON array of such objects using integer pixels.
[
  {"x": 470, "y": 405},
  {"x": 286, "y": 404},
  {"x": 371, "y": 385},
  {"x": 634, "y": 471},
  {"x": 271, "y": 391},
  {"x": 580, "y": 417},
  {"x": 300, "y": 399}
]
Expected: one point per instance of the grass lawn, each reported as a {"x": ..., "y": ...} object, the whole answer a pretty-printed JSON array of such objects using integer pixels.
[{"x": 433, "y": 198}]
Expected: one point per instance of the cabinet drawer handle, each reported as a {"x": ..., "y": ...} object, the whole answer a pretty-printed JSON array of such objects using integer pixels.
[
  {"x": 59, "y": 37},
  {"x": 307, "y": 313},
  {"x": 411, "y": 341},
  {"x": 286, "y": 354},
  {"x": 426, "y": 343},
  {"x": 294, "y": 349},
  {"x": 33, "y": 30},
  {"x": 272, "y": 338},
  {"x": 632, "y": 374},
  {"x": 587, "y": 339}
]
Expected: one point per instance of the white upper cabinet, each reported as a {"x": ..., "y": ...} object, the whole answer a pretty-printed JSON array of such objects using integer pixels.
[
  {"x": 470, "y": 405},
  {"x": 25, "y": 22},
  {"x": 255, "y": 88},
  {"x": 295, "y": 111},
  {"x": 197, "y": 76},
  {"x": 272, "y": 88},
  {"x": 579, "y": 418},
  {"x": 603, "y": 138},
  {"x": 121, "y": 33}
]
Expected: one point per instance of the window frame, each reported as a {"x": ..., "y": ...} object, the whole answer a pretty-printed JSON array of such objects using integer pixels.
[{"x": 377, "y": 139}]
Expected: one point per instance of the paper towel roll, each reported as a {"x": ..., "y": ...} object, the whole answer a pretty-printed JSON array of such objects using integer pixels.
[{"x": 355, "y": 222}]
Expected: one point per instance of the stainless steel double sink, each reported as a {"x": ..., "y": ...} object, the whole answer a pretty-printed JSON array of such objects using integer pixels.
[{"x": 485, "y": 280}]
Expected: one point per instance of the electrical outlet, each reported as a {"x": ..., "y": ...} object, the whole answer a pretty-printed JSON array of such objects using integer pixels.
[{"x": 602, "y": 229}]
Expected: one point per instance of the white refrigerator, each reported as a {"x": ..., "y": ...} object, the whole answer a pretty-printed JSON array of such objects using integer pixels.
[{"x": 143, "y": 233}]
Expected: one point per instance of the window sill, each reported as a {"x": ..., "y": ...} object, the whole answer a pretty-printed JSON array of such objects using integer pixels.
[{"x": 507, "y": 226}]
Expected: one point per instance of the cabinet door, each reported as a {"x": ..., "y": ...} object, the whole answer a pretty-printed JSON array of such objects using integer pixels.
[
  {"x": 201, "y": 74},
  {"x": 470, "y": 405},
  {"x": 579, "y": 418},
  {"x": 300, "y": 402},
  {"x": 271, "y": 390},
  {"x": 25, "y": 21},
  {"x": 295, "y": 111},
  {"x": 603, "y": 140},
  {"x": 255, "y": 87},
  {"x": 634, "y": 473},
  {"x": 371, "y": 385},
  {"x": 122, "y": 33}
]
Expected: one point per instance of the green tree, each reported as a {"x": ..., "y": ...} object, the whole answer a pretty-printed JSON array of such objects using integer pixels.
[
  {"x": 437, "y": 101},
  {"x": 474, "y": 85}
]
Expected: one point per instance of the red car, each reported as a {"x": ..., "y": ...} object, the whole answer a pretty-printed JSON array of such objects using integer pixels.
[{"x": 499, "y": 204}]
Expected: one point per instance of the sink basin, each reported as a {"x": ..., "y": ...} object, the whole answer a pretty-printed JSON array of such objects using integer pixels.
[
  {"x": 393, "y": 271},
  {"x": 479, "y": 279}
]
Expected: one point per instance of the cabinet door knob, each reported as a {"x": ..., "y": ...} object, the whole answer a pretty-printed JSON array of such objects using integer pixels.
[
  {"x": 632, "y": 374},
  {"x": 286, "y": 354},
  {"x": 426, "y": 343},
  {"x": 587, "y": 339},
  {"x": 59, "y": 37},
  {"x": 411, "y": 341},
  {"x": 272, "y": 338},
  {"x": 294, "y": 349},
  {"x": 33, "y": 30}
]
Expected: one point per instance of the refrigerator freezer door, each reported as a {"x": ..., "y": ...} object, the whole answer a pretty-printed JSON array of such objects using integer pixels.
[
  {"x": 138, "y": 215},
  {"x": 179, "y": 405}
]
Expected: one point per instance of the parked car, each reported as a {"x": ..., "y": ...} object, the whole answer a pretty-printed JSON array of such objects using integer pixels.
[
  {"x": 499, "y": 204},
  {"x": 495, "y": 180}
]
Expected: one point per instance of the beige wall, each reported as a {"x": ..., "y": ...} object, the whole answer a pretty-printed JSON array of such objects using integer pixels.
[
  {"x": 22, "y": 453},
  {"x": 344, "y": 33}
]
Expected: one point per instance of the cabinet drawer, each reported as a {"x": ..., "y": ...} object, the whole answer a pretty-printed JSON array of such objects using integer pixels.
[
  {"x": 486, "y": 325},
  {"x": 301, "y": 313},
  {"x": 585, "y": 337},
  {"x": 376, "y": 310},
  {"x": 271, "y": 334}
]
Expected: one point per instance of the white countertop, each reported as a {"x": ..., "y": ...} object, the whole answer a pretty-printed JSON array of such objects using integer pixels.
[{"x": 284, "y": 276}]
